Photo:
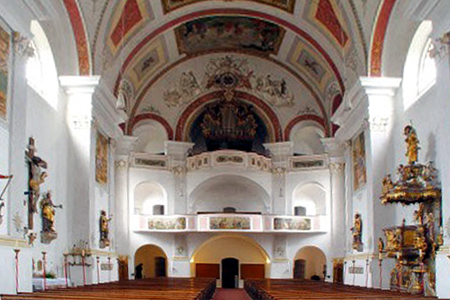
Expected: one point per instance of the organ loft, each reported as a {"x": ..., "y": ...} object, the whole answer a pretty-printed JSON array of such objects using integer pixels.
[{"x": 224, "y": 149}]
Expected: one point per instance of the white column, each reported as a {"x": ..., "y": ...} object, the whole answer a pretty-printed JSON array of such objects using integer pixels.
[
  {"x": 178, "y": 152},
  {"x": 81, "y": 164},
  {"x": 280, "y": 153}
]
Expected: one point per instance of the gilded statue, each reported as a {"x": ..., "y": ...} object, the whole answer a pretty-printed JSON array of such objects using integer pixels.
[
  {"x": 380, "y": 245},
  {"x": 397, "y": 241},
  {"x": 104, "y": 229},
  {"x": 357, "y": 232},
  {"x": 48, "y": 213},
  {"x": 388, "y": 185},
  {"x": 412, "y": 144}
]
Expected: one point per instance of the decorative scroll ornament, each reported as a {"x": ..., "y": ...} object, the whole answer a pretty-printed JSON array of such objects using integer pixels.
[{"x": 22, "y": 45}]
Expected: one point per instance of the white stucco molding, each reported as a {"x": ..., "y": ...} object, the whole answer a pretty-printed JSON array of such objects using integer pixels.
[
  {"x": 369, "y": 100},
  {"x": 13, "y": 242},
  {"x": 79, "y": 84},
  {"x": 433, "y": 10},
  {"x": 280, "y": 152},
  {"x": 124, "y": 146},
  {"x": 177, "y": 150}
]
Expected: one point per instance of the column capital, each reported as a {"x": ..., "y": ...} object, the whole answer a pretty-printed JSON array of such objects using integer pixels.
[
  {"x": 280, "y": 150},
  {"x": 178, "y": 150},
  {"x": 125, "y": 145},
  {"x": 79, "y": 84},
  {"x": 334, "y": 147}
]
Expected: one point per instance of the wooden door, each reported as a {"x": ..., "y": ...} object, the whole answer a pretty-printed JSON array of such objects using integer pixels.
[
  {"x": 299, "y": 268},
  {"x": 230, "y": 273},
  {"x": 252, "y": 271},
  {"x": 338, "y": 271},
  {"x": 160, "y": 266},
  {"x": 207, "y": 271},
  {"x": 123, "y": 267}
]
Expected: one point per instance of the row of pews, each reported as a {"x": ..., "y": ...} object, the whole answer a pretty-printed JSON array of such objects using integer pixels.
[
  {"x": 155, "y": 289},
  {"x": 281, "y": 289}
]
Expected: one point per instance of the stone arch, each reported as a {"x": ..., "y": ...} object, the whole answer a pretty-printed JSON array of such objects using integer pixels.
[
  {"x": 147, "y": 195},
  {"x": 312, "y": 196},
  {"x": 152, "y": 257},
  {"x": 314, "y": 262}
]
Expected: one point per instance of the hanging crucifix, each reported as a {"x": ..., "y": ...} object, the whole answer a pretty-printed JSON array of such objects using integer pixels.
[{"x": 36, "y": 177}]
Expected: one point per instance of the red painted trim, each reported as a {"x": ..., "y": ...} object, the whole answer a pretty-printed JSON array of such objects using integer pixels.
[
  {"x": 151, "y": 116},
  {"x": 337, "y": 101},
  {"x": 259, "y": 104},
  {"x": 228, "y": 11},
  {"x": 376, "y": 52},
  {"x": 80, "y": 36},
  {"x": 298, "y": 119}
]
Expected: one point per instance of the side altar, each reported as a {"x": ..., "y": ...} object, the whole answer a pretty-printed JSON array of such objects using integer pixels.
[{"x": 413, "y": 246}]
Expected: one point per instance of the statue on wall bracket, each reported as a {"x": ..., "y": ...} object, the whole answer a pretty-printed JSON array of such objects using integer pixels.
[
  {"x": 357, "y": 233},
  {"x": 2, "y": 204},
  {"x": 48, "y": 232},
  {"x": 36, "y": 177},
  {"x": 104, "y": 230}
]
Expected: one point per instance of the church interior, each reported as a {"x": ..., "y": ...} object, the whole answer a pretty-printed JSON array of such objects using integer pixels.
[{"x": 173, "y": 149}]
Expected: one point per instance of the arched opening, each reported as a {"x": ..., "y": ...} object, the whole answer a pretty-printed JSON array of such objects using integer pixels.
[
  {"x": 308, "y": 262},
  {"x": 230, "y": 273},
  {"x": 153, "y": 260},
  {"x": 214, "y": 259},
  {"x": 149, "y": 199},
  {"x": 309, "y": 199},
  {"x": 218, "y": 193},
  {"x": 151, "y": 137},
  {"x": 307, "y": 137}
]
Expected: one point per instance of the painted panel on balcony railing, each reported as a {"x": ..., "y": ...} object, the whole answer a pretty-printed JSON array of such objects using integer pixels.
[
  {"x": 229, "y": 223},
  {"x": 302, "y": 163},
  {"x": 291, "y": 224},
  {"x": 150, "y": 161},
  {"x": 175, "y": 223}
]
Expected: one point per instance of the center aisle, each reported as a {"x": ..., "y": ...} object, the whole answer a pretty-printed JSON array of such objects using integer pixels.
[{"x": 231, "y": 294}]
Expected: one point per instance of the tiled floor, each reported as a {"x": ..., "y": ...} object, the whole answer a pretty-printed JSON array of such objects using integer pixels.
[{"x": 231, "y": 294}]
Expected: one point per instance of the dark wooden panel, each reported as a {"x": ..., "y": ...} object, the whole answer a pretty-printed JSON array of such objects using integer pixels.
[
  {"x": 207, "y": 270},
  {"x": 252, "y": 271}
]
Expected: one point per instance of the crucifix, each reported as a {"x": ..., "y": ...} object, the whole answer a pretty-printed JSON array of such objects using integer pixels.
[{"x": 36, "y": 177}]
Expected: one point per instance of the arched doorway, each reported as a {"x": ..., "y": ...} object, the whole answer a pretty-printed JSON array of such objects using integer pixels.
[
  {"x": 308, "y": 262},
  {"x": 226, "y": 256},
  {"x": 153, "y": 259},
  {"x": 230, "y": 273}
]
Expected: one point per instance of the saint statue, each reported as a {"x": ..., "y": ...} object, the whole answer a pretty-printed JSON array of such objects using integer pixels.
[
  {"x": 48, "y": 213},
  {"x": 104, "y": 229},
  {"x": 357, "y": 232},
  {"x": 412, "y": 144},
  {"x": 380, "y": 245}
]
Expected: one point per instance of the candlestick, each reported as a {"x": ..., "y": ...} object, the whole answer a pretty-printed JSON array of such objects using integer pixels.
[
  {"x": 354, "y": 273},
  {"x": 380, "y": 265},
  {"x": 109, "y": 269},
  {"x": 367, "y": 271},
  {"x": 44, "y": 274},
  {"x": 98, "y": 270},
  {"x": 65, "y": 269},
  {"x": 16, "y": 251},
  {"x": 83, "y": 264}
]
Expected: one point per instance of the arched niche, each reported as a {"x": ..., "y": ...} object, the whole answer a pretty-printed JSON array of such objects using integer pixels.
[
  {"x": 217, "y": 193},
  {"x": 147, "y": 195},
  {"x": 151, "y": 137},
  {"x": 251, "y": 256},
  {"x": 153, "y": 260},
  {"x": 306, "y": 137},
  {"x": 311, "y": 196},
  {"x": 309, "y": 261}
]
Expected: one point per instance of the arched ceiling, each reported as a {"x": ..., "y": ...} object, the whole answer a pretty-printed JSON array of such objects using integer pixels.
[{"x": 296, "y": 55}]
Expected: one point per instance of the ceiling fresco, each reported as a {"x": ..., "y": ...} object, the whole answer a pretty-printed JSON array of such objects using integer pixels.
[
  {"x": 286, "y": 5},
  {"x": 221, "y": 33},
  {"x": 296, "y": 56}
]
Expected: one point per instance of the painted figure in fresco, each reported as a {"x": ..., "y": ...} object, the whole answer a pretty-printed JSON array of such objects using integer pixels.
[
  {"x": 104, "y": 229},
  {"x": 412, "y": 144},
  {"x": 48, "y": 212},
  {"x": 357, "y": 232}
]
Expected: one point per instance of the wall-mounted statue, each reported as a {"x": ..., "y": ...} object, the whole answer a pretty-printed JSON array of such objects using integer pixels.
[
  {"x": 357, "y": 233},
  {"x": 104, "y": 229},
  {"x": 48, "y": 232},
  {"x": 36, "y": 178},
  {"x": 2, "y": 204},
  {"x": 412, "y": 143}
]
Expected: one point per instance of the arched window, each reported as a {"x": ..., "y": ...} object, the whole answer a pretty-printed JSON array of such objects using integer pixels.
[
  {"x": 420, "y": 68},
  {"x": 41, "y": 70}
]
